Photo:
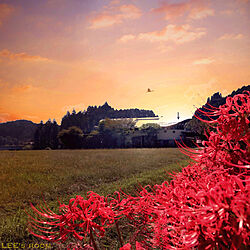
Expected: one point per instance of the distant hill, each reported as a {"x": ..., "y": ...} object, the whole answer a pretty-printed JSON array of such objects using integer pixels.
[
  {"x": 22, "y": 131},
  {"x": 17, "y": 132},
  {"x": 88, "y": 119},
  {"x": 217, "y": 100}
]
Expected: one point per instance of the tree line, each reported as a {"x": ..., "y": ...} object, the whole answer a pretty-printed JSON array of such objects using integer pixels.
[
  {"x": 86, "y": 123},
  {"x": 97, "y": 127}
]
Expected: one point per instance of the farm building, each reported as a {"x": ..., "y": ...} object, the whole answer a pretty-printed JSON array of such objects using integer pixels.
[
  {"x": 167, "y": 136},
  {"x": 164, "y": 136},
  {"x": 148, "y": 133}
]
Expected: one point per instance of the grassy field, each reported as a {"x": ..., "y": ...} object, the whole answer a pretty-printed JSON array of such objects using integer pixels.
[{"x": 26, "y": 176}]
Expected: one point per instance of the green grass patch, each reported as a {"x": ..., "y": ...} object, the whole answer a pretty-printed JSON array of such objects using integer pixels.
[{"x": 26, "y": 176}]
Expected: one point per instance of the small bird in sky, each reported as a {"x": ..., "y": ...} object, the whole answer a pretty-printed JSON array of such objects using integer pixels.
[{"x": 149, "y": 90}]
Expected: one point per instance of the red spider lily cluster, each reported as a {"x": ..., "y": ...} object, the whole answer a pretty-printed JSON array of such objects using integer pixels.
[{"x": 205, "y": 206}]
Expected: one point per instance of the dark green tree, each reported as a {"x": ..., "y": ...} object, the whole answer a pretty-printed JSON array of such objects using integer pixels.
[
  {"x": 93, "y": 140},
  {"x": 46, "y": 135},
  {"x": 37, "y": 136},
  {"x": 150, "y": 129},
  {"x": 71, "y": 138},
  {"x": 113, "y": 132},
  {"x": 90, "y": 118}
]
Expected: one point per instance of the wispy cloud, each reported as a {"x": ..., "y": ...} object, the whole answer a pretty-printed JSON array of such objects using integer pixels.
[
  {"x": 175, "y": 33},
  {"x": 21, "y": 56},
  {"x": 5, "y": 11},
  {"x": 203, "y": 61},
  {"x": 127, "y": 38},
  {"x": 231, "y": 37},
  {"x": 192, "y": 9},
  {"x": 22, "y": 88},
  {"x": 15, "y": 87},
  {"x": 113, "y": 14}
]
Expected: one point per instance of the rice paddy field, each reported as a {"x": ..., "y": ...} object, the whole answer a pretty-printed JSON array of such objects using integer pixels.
[{"x": 30, "y": 176}]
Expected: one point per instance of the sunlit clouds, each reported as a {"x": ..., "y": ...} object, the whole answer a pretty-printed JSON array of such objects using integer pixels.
[
  {"x": 192, "y": 9},
  {"x": 231, "y": 37},
  {"x": 174, "y": 33},
  {"x": 56, "y": 55},
  {"x": 21, "y": 56},
  {"x": 203, "y": 61},
  {"x": 111, "y": 15}
]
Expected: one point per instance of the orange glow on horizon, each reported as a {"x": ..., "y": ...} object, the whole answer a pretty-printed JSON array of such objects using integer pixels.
[{"x": 56, "y": 55}]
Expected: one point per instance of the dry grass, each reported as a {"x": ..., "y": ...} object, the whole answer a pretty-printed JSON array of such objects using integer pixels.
[{"x": 26, "y": 175}]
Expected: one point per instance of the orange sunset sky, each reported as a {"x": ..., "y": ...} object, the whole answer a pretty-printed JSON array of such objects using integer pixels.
[{"x": 56, "y": 55}]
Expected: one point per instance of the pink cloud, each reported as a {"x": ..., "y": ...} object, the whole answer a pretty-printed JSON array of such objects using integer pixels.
[
  {"x": 21, "y": 56},
  {"x": 231, "y": 37},
  {"x": 203, "y": 61},
  {"x": 175, "y": 33},
  {"x": 129, "y": 11},
  {"x": 193, "y": 9},
  {"x": 104, "y": 20},
  {"x": 114, "y": 15},
  {"x": 127, "y": 38},
  {"x": 5, "y": 11}
]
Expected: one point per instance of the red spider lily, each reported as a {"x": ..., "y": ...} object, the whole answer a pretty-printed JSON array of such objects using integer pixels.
[
  {"x": 205, "y": 206},
  {"x": 126, "y": 247},
  {"x": 80, "y": 218},
  {"x": 218, "y": 215},
  {"x": 138, "y": 246},
  {"x": 138, "y": 212}
]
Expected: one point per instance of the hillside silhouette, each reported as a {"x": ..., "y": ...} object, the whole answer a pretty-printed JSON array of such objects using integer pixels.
[
  {"x": 217, "y": 100},
  {"x": 45, "y": 135},
  {"x": 87, "y": 120},
  {"x": 17, "y": 132},
  {"x": 21, "y": 132}
]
